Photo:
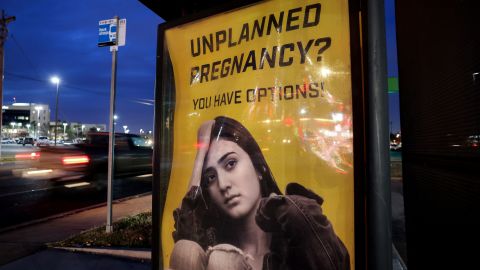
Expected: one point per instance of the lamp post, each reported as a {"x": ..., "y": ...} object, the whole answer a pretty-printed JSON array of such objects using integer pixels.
[
  {"x": 125, "y": 129},
  {"x": 38, "y": 108},
  {"x": 56, "y": 81},
  {"x": 28, "y": 129},
  {"x": 64, "y": 128},
  {"x": 13, "y": 126}
]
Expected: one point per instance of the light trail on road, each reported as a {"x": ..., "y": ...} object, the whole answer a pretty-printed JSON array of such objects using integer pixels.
[{"x": 72, "y": 185}]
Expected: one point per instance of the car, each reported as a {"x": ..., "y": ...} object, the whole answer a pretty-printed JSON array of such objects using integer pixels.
[
  {"x": 89, "y": 160},
  {"x": 395, "y": 146},
  {"x": 68, "y": 142},
  {"x": 7, "y": 141},
  {"x": 43, "y": 141},
  {"x": 28, "y": 140}
]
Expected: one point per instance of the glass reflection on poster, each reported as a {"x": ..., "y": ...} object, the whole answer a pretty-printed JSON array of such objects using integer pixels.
[{"x": 262, "y": 167}]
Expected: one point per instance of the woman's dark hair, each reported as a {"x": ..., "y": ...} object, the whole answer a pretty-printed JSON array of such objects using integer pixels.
[{"x": 231, "y": 130}]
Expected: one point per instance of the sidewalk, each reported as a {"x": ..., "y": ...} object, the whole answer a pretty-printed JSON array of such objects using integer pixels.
[
  {"x": 24, "y": 248},
  {"x": 18, "y": 245}
]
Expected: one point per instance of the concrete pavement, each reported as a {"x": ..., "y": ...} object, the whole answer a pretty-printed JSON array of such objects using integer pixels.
[{"x": 18, "y": 244}]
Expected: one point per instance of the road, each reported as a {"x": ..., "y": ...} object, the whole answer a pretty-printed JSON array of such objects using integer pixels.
[
  {"x": 26, "y": 199},
  {"x": 398, "y": 218}
]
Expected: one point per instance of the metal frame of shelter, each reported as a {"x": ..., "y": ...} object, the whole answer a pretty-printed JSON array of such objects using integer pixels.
[{"x": 370, "y": 118}]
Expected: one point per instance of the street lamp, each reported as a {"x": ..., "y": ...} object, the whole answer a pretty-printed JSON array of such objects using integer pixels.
[
  {"x": 125, "y": 129},
  {"x": 64, "y": 128},
  {"x": 38, "y": 108},
  {"x": 28, "y": 128},
  {"x": 13, "y": 126},
  {"x": 56, "y": 81}
]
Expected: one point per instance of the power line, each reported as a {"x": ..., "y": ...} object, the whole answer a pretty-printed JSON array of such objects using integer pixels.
[
  {"x": 47, "y": 81},
  {"x": 143, "y": 101},
  {"x": 25, "y": 77},
  {"x": 34, "y": 67}
]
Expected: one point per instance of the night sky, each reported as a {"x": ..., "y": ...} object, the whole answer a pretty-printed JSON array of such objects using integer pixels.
[{"x": 52, "y": 37}]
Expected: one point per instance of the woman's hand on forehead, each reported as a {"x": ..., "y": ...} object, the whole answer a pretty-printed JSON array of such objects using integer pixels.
[
  {"x": 203, "y": 135},
  {"x": 203, "y": 141}
]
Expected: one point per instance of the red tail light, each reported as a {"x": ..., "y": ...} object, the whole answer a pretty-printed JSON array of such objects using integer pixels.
[
  {"x": 75, "y": 160},
  {"x": 33, "y": 155}
]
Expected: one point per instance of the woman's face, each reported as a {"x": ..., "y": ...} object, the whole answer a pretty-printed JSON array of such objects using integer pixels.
[{"x": 231, "y": 179}]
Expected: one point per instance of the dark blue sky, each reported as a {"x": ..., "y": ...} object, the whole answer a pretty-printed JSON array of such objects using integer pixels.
[
  {"x": 52, "y": 37},
  {"x": 392, "y": 66}
]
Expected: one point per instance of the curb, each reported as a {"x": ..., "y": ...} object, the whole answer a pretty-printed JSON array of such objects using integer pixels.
[
  {"x": 33, "y": 222},
  {"x": 143, "y": 255}
]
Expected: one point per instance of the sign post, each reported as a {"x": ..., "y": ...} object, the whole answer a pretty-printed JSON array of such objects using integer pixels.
[{"x": 111, "y": 33}]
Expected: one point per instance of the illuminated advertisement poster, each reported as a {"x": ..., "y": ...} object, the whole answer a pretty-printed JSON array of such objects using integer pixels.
[{"x": 262, "y": 149}]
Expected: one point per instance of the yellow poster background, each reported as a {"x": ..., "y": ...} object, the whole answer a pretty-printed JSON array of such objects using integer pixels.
[{"x": 309, "y": 139}]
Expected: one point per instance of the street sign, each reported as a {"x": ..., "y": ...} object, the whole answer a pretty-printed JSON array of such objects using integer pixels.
[
  {"x": 107, "y": 32},
  {"x": 109, "y": 35},
  {"x": 122, "y": 32}
]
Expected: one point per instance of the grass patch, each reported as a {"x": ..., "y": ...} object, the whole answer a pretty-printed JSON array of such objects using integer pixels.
[
  {"x": 130, "y": 232},
  {"x": 8, "y": 159}
]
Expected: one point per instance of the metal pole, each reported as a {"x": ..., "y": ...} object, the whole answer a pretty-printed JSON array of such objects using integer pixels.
[
  {"x": 56, "y": 118},
  {"x": 3, "y": 38},
  {"x": 111, "y": 143},
  {"x": 379, "y": 232},
  {"x": 38, "y": 123}
]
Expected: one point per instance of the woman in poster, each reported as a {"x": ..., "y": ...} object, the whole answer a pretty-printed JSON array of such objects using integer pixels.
[{"x": 235, "y": 217}]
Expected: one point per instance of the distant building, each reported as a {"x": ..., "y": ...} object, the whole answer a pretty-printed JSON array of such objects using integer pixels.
[
  {"x": 25, "y": 119},
  {"x": 95, "y": 127},
  {"x": 73, "y": 129}
]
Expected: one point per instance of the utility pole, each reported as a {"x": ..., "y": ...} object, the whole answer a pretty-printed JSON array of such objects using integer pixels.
[{"x": 3, "y": 37}]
